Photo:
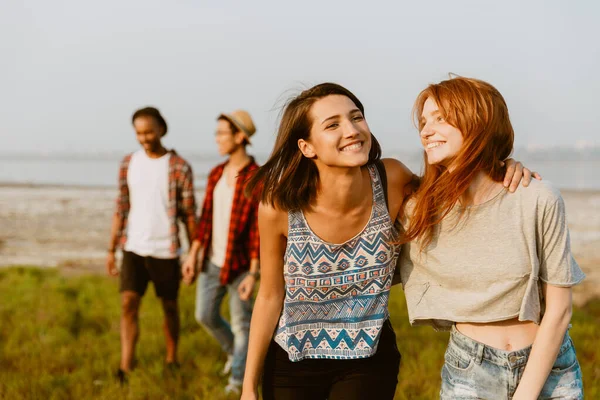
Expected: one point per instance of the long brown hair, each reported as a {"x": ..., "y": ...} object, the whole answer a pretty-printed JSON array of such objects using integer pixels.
[
  {"x": 479, "y": 111},
  {"x": 288, "y": 180}
]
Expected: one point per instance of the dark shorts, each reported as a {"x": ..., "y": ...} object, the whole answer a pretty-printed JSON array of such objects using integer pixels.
[
  {"x": 373, "y": 377},
  {"x": 137, "y": 271}
]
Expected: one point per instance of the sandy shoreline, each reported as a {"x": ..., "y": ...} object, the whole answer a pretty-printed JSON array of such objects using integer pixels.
[{"x": 68, "y": 227}]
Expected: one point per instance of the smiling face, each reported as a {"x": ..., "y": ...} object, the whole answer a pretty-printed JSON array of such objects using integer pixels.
[
  {"x": 441, "y": 141},
  {"x": 148, "y": 133},
  {"x": 339, "y": 135}
]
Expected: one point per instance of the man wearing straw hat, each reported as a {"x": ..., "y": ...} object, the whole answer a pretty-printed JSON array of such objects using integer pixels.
[{"x": 228, "y": 243}]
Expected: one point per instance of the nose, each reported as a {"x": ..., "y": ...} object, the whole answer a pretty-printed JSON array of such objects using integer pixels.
[
  {"x": 426, "y": 131},
  {"x": 350, "y": 129}
]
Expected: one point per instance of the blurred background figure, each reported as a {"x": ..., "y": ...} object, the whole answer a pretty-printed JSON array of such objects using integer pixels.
[
  {"x": 155, "y": 191},
  {"x": 228, "y": 241}
]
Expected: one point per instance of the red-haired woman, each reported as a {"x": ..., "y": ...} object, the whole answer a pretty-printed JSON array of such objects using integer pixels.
[
  {"x": 495, "y": 269},
  {"x": 320, "y": 324}
]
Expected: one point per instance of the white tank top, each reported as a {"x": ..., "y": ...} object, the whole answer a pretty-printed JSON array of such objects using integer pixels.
[
  {"x": 148, "y": 224},
  {"x": 222, "y": 203}
]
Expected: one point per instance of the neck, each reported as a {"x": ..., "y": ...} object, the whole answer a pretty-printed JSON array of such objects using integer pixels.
[
  {"x": 341, "y": 189},
  {"x": 157, "y": 152},
  {"x": 239, "y": 158},
  {"x": 481, "y": 189}
]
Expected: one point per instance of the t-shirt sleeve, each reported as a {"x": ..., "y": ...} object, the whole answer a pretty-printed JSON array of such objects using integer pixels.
[{"x": 557, "y": 265}]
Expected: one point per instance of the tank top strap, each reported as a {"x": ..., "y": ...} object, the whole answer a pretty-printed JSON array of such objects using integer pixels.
[
  {"x": 379, "y": 205},
  {"x": 297, "y": 224}
]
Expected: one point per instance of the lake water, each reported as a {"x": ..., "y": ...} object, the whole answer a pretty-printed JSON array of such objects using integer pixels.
[{"x": 568, "y": 169}]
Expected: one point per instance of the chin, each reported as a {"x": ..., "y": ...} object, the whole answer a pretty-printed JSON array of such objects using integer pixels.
[
  {"x": 432, "y": 160},
  {"x": 358, "y": 162},
  {"x": 435, "y": 162}
]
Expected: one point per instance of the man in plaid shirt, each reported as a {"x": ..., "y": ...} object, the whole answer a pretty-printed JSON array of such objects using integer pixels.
[
  {"x": 227, "y": 234},
  {"x": 155, "y": 191}
]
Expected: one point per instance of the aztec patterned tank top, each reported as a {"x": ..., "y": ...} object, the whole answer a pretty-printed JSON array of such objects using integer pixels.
[{"x": 336, "y": 295}]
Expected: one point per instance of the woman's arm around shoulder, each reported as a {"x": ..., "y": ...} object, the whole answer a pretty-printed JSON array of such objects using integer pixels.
[{"x": 272, "y": 225}]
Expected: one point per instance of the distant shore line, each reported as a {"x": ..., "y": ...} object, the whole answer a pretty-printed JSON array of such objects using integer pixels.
[
  {"x": 29, "y": 185},
  {"x": 584, "y": 148},
  {"x": 66, "y": 186}
]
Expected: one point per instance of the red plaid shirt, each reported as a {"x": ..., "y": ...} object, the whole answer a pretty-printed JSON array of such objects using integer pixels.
[
  {"x": 182, "y": 203},
  {"x": 243, "y": 242}
]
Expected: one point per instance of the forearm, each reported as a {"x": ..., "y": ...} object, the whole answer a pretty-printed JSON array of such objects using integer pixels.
[
  {"x": 190, "y": 228},
  {"x": 264, "y": 321},
  {"x": 254, "y": 265},
  {"x": 195, "y": 248},
  {"x": 116, "y": 226},
  {"x": 543, "y": 354},
  {"x": 188, "y": 203}
]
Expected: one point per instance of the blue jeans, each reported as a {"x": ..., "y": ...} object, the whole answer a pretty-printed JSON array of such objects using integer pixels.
[
  {"x": 474, "y": 371},
  {"x": 232, "y": 338}
]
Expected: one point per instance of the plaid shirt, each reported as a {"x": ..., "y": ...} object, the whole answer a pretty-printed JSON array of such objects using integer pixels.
[
  {"x": 182, "y": 203},
  {"x": 243, "y": 242}
]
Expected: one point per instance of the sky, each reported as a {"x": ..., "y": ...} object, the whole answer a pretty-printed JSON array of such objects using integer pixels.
[{"x": 73, "y": 72}]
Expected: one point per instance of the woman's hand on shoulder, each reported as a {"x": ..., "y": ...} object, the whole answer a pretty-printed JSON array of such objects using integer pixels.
[{"x": 517, "y": 173}]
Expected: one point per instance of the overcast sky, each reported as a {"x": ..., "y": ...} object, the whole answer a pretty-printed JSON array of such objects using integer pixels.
[{"x": 73, "y": 72}]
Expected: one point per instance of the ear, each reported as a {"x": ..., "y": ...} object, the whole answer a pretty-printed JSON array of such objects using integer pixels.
[
  {"x": 306, "y": 148},
  {"x": 239, "y": 138}
]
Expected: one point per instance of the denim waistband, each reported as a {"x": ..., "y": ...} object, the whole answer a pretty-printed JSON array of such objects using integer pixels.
[{"x": 510, "y": 359}]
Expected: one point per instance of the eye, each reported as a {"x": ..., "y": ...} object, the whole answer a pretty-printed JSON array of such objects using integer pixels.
[
  {"x": 332, "y": 126},
  {"x": 440, "y": 119},
  {"x": 358, "y": 118}
]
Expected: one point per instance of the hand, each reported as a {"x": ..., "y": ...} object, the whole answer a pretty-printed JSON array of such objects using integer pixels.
[
  {"x": 188, "y": 269},
  {"x": 515, "y": 172},
  {"x": 111, "y": 267},
  {"x": 246, "y": 287}
]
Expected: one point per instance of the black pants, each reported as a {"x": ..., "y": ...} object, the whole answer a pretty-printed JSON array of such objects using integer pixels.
[{"x": 374, "y": 377}]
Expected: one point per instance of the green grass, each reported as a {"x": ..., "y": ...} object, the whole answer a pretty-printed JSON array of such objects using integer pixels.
[{"x": 59, "y": 339}]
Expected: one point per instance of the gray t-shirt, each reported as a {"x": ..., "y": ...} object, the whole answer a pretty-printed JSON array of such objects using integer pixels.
[{"x": 488, "y": 266}]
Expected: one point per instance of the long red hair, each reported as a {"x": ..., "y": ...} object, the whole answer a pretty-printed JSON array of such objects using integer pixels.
[{"x": 479, "y": 112}]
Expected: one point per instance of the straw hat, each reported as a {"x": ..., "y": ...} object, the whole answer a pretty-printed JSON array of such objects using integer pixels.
[{"x": 242, "y": 120}]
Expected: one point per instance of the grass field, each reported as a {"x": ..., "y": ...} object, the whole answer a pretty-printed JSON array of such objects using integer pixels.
[{"x": 59, "y": 339}]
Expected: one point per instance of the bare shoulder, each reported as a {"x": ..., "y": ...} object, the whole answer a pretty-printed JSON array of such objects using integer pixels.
[
  {"x": 398, "y": 174},
  {"x": 273, "y": 219},
  {"x": 399, "y": 178}
]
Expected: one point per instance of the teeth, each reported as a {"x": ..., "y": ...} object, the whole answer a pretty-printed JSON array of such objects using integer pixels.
[
  {"x": 434, "y": 144},
  {"x": 352, "y": 147}
]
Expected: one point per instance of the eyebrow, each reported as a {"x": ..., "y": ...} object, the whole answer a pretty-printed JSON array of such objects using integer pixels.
[
  {"x": 431, "y": 114},
  {"x": 354, "y": 111},
  {"x": 434, "y": 112}
]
